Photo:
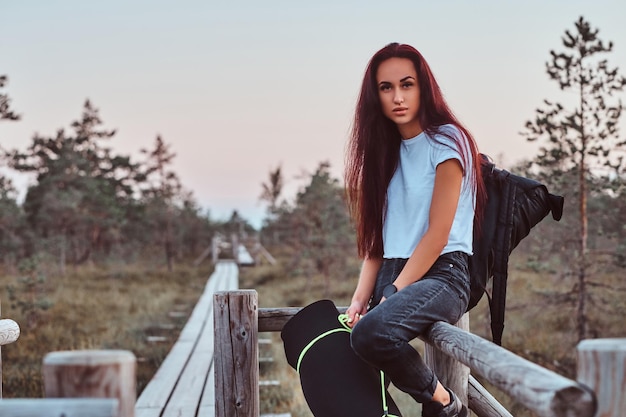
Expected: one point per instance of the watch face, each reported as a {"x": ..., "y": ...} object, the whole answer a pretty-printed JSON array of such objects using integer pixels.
[{"x": 389, "y": 290}]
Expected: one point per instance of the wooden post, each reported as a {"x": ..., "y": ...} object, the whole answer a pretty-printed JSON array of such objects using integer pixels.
[
  {"x": 94, "y": 374},
  {"x": 602, "y": 367},
  {"x": 215, "y": 241},
  {"x": 234, "y": 242},
  {"x": 450, "y": 372},
  {"x": 236, "y": 359}
]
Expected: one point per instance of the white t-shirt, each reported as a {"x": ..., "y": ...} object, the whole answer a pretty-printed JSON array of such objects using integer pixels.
[{"x": 409, "y": 195}]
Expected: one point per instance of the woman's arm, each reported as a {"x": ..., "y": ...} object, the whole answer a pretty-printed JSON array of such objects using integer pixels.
[
  {"x": 364, "y": 289},
  {"x": 446, "y": 192}
]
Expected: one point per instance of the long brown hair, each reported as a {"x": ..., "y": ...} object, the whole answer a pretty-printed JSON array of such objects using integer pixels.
[{"x": 373, "y": 149}]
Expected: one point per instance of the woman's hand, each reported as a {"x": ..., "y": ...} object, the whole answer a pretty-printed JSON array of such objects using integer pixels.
[{"x": 355, "y": 312}]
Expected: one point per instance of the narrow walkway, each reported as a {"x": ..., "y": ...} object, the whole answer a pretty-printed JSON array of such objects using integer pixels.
[{"x": 183, "y": 385}]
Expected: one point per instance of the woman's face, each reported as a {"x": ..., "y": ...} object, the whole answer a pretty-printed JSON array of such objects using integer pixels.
[{"x": 399, "y": 94}]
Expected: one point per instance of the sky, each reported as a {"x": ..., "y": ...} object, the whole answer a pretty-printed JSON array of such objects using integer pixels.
[{"x": 238, "y": 88}]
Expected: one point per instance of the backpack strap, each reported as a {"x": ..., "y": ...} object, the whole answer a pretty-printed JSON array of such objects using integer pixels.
[{"x": 502, "y": 249}]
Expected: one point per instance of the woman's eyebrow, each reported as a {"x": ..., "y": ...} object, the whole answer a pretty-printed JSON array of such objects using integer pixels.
[{"x": 408, "y": 77}]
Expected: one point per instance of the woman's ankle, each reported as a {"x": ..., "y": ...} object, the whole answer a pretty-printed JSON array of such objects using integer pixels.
[{"x": 441, "y": 395}]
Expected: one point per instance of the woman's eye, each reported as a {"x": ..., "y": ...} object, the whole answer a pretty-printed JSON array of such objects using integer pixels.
[
  {"x": 407, "y": 85},
  {"x": 385, "y": 87}
]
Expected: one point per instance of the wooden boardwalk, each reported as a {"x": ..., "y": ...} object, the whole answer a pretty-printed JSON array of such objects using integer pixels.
[{"x": 183, "y": 385}]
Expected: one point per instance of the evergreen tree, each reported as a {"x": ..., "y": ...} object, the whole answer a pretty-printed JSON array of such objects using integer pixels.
[
  {"x": 11, "y": 223},
  {"x": 77, "y": 203},
  {"x": 162, "y": 188},
  {"x": 5, "y": 111},
  {"x": 318, "y": 227},
  {"x": 580, "y": 140},
  {"x": 272, "y": 190}
]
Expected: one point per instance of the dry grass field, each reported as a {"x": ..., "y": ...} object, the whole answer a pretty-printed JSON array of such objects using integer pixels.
[{"x": 94, "y": 308}]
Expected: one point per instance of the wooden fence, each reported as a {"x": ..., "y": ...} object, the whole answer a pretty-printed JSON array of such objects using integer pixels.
[{"x": 600, "y": 389}]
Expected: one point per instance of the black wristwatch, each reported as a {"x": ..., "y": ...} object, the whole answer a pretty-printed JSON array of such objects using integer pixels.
[{"x": 389, "y": 290}]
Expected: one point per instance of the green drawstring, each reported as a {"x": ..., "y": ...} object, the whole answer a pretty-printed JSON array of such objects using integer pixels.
[
  {"x": 312, "y": 342},
  {"x": 343, "y": 320}
]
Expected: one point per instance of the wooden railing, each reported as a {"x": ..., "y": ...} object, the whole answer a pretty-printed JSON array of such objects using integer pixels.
[
  {"x": 214, "y": 371},
  {"x": 600, "y": 389}
]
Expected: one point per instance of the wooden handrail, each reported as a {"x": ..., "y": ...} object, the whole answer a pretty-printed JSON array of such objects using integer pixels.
[{"x": 540, "y": 390}]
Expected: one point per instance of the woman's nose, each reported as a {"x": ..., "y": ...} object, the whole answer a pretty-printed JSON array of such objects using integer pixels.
[{"x": 397, "y": 98}]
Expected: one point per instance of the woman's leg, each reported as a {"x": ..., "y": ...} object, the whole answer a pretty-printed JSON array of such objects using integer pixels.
[{"x": 382, "y": 336}]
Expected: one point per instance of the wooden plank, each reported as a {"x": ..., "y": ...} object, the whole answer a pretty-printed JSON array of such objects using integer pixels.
[
  {"x": 541, "y": 390},
  {"x": 602, "y": 367},
  {"x": 207, "y": 402},
  {"x": 269, "y": 383},
  {"x": 450, "y": 372},
  {"x": 157, "y": 393},
  {"x": 179, "y": 386},
  {"x": 92, "y": 373},
  {"x": 9, "y": 331},
  {"x": 483, "y": 403},
  {"x": 236, "y": 354},
  {"x": 208, "y": 396},
  {"x": 59, "y": 407},
  {"x": 273, "y": 319},
  {"x": 187, "y": 393}
]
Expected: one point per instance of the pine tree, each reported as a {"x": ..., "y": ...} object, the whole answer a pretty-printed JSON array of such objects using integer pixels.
[
  {"x": 580, "y": 140},
  {"x": 5, "y": 112}
]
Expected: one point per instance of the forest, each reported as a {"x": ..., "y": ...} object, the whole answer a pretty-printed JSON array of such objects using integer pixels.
[{"x": 90, "y": 208}]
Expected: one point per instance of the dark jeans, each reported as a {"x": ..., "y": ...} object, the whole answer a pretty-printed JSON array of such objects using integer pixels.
[{"x": 382, "y": 336}]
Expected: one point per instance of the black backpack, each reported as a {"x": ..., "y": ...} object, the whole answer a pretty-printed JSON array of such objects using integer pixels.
[{"x": 514, "y": 206}]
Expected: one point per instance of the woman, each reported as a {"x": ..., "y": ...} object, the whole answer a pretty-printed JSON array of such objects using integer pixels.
[{"x": 413, "y": 185}]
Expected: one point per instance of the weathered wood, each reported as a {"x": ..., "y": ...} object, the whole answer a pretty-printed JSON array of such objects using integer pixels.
[
  {"x": 184, "y": 381},
  {"x": 483, "y": 403},
  {"x": 60, "y": 407},
  {"x": 203, "y": 256},
  {"x": 236, "y": 354},
  {"x": 542, "y": 391},
  {"x": 261, "y": 249},
  {"x": 273, "y": 319},
  {"x": 9, "y": 331},
  {"x": 450, "y": 372},
  {"x": 602, "y": 367},
  {"x": 92, "y": 373}
]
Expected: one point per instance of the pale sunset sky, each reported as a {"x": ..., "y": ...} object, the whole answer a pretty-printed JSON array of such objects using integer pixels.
[{"x": 239, "y": 87}]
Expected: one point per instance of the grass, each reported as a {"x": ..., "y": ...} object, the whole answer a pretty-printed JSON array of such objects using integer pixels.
[{"x": 94, "y": 308}]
